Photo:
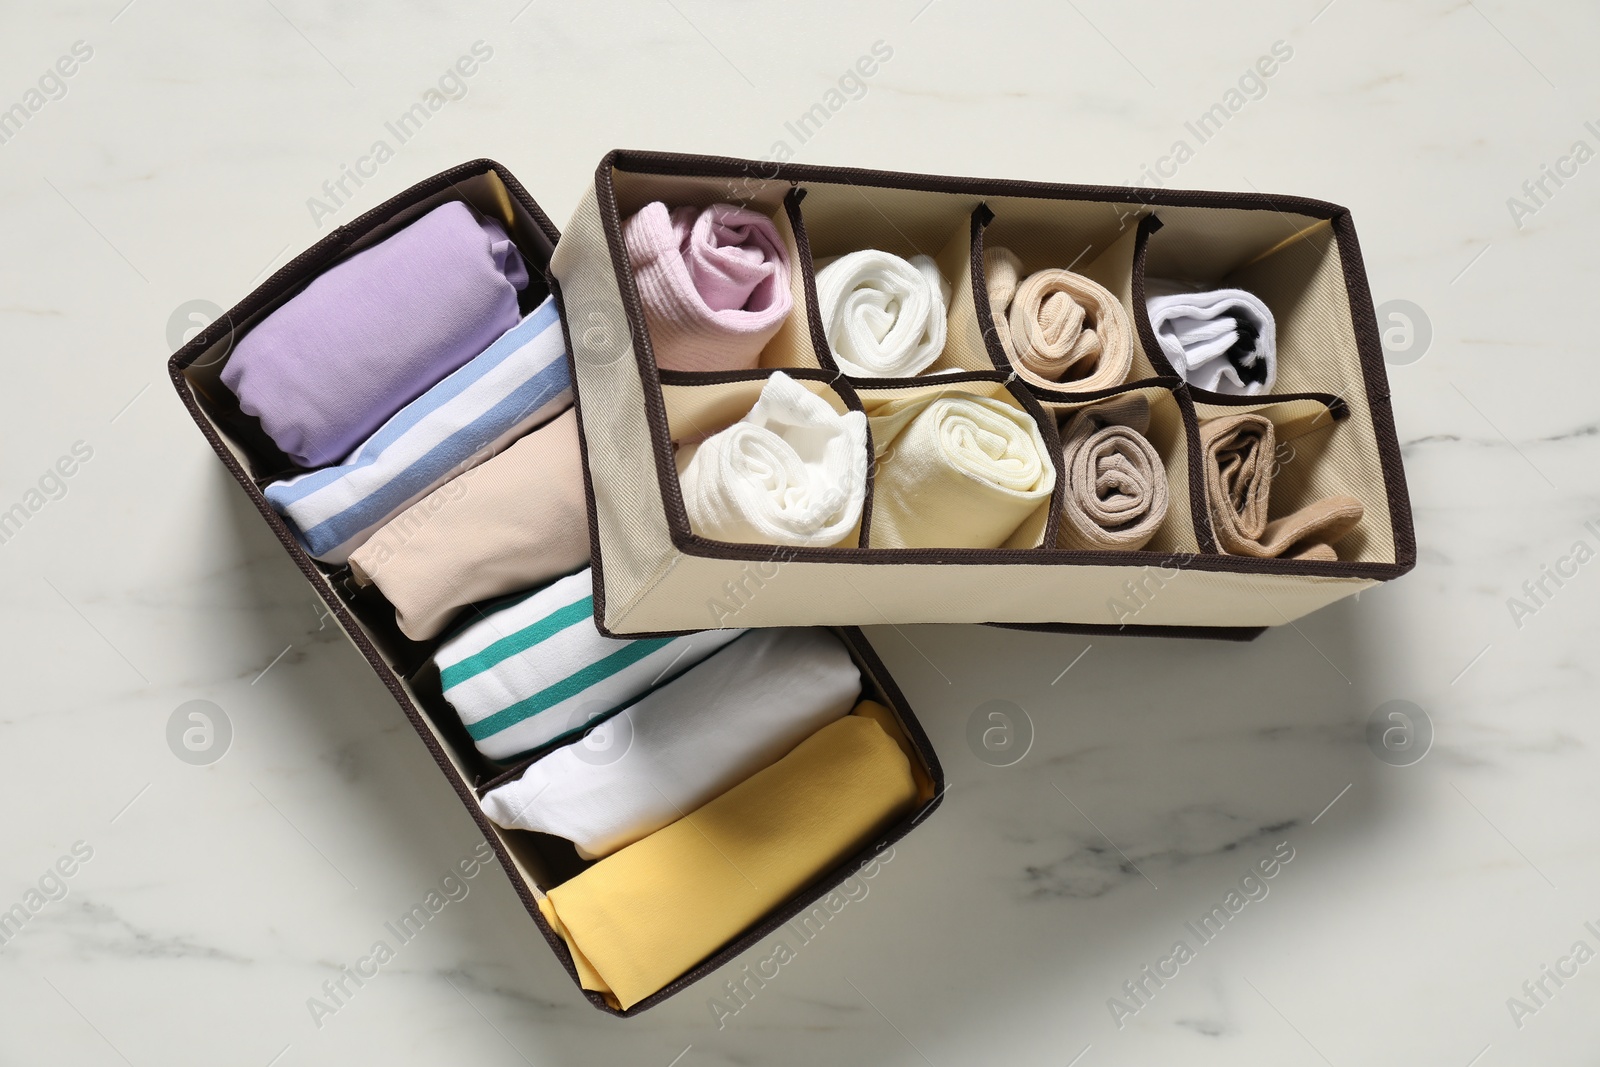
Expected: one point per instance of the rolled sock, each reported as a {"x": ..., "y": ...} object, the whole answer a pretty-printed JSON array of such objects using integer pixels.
[
  {"x": 374, "y": 332},
  {"x": 513, "y": 522},
  {"x": 640, "y": 918},
  {"x": 791, "y": 472},
  {"x": 1116, "y": 487},
  {"x": 883, "y": 316},
  {"x": 1238, "y": 454},
  {"x": 537, "y": 669},
  {"x": 955, "y": 471},
  {"x": 1224, "y": 340},
  {"x": 517, "y": 383},
  {"x": 1058, "y": 329},
  {"x": 682, "y": 744},
  {"x": 714, "y": 282}
]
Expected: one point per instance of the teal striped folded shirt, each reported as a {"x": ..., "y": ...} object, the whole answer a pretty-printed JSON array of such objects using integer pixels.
[{"x": 538, "y": 670}]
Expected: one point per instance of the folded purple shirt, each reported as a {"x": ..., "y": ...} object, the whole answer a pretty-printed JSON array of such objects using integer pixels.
[{"x": 376, "y": 331}]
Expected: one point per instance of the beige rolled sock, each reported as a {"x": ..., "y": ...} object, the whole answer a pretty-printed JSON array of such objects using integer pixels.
[
  {"x": 955, "y": 471},
  {"x": 1238, "y": 453},
  {"x": 1060, "y": 330},
  {"x": 515, "y": 521},
  {"x": 1116, "y": 486}
]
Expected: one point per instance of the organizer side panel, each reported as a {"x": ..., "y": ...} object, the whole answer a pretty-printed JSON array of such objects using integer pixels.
[
  {"x": 632, "y": 538},
  {"x": 778, "y": 592},
  {"x": 1317, "y": 351}
]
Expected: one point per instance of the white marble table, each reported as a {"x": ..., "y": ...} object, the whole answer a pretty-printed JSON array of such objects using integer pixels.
[{"x": 179, "y": 162}]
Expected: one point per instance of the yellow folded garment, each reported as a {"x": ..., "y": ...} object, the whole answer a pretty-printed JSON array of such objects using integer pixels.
[
  {"x": 881, "y": 715},
  {"x": 641, "y": 917}
]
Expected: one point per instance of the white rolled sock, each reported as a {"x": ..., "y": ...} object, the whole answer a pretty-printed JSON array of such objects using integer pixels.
[
  {"x": 791, "y": 472},
  {"x": 691, "y": 740},
  {"x": 883, "y": 316},
  {"x": 1206, "y": 337}
]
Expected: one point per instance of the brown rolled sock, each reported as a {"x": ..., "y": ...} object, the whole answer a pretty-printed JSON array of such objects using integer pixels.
[
  {"x": 1116, "y": 486},
  {"x": 515, "y": 521},
  {"x": 1058, "y": 329},
  {"x": 1238, "y": 453}
]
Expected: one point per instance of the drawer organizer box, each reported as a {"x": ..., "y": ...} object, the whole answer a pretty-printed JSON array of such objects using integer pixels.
[
  {"x": 535, "y": 863},
  {"x": 1329, "y": 405}
]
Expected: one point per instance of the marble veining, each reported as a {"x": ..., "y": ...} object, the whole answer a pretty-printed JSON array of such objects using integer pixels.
[{"x": 178, "y": 164}]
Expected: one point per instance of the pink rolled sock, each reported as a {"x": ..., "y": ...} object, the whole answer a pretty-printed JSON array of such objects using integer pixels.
[{"x": 714, "y": 282}]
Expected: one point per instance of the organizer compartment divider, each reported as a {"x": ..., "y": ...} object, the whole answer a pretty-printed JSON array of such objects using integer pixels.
[
  {"x": 699, "y": 403},
  {"x": 794, "y": 345},
  {"x": 1199, "y": 513},
  {"x": 967, "y": 346}
]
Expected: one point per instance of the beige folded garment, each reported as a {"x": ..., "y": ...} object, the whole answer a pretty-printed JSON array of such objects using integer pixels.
[
  {"x": 1238, "y": 457},
  {"x": 955, "y": 471},
  {"x": 1116, "y": 486},
  {"x": 513, "y": 522},
  {"x": 1059, "y": 329}
]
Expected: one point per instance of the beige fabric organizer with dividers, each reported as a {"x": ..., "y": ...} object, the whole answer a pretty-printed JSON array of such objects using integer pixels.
[{"x": 1330, "y": 404}]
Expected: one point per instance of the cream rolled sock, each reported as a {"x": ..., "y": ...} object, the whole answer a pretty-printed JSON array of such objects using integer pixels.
[
  {"x": 1116, "y": 487},
  {"x": 955, "y": 471},
  {"x": 791, "y": 472},
  {"x": 1060, "y": 330},
  {"x": 883, "y": 316},
  {"x": 696, "y": 737},
  {"x": 514, "y": 522}
]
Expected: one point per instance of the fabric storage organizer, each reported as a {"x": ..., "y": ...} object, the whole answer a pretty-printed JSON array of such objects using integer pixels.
[
  {"x": 1330, "y": 404},
  {"x": 535, "y": 863}
]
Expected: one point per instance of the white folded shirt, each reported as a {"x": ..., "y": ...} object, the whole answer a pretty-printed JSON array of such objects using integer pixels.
[{"x": 687, "y": 742}]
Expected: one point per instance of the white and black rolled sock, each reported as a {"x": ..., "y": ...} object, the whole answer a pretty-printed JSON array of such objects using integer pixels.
[
  {"x": 1224, "y": 340},
  {"x": 735, "y": 713}
]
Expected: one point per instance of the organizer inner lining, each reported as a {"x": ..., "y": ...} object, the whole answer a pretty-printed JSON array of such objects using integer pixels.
[{"x": 1291, "y": 261}]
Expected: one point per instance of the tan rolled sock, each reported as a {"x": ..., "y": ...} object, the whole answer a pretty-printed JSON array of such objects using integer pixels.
[
  {"x": 1238, "y": 453},
  {"x": 515, "y": 521},
  {"x": 1060, "y": 330},
  {"x": 1116, "y": 486}
]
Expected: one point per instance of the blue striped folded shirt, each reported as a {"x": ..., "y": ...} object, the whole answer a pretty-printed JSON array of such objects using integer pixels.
[
  {"x": 538, "y": 670},
  {"x": 517, "y": 383}
]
